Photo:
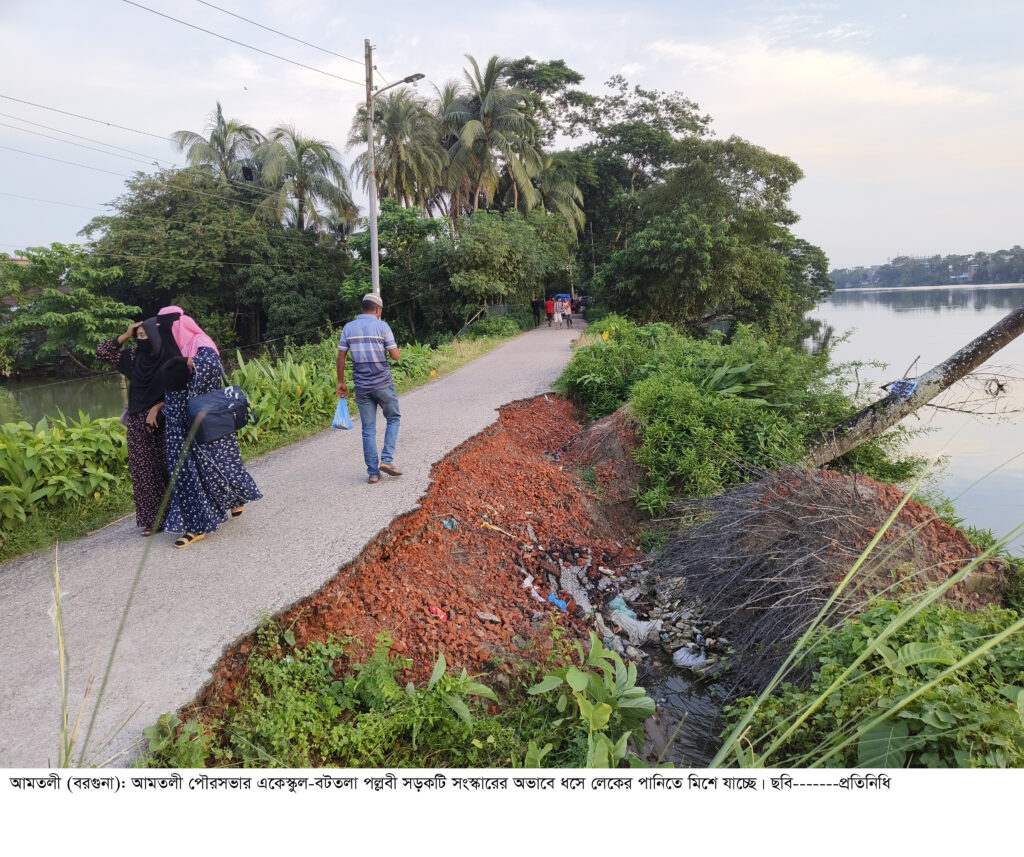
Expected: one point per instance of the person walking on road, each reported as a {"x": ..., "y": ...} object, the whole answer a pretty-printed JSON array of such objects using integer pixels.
[
  {"x": 536, "y": 305},
  {"x": 212, "y": 484},
  {"x": 549, "y": 309},
  {"x": 370, "y": 342},
  {"x": 143, "y": 420}
]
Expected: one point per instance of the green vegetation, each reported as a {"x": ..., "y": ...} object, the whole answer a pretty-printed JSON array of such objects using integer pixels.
[
  {"x": 710, "y": 412},
  {"x": 917, "y": 710},
  {"x": 319, "y": 705},
  {"x": 57, "y": 463}
]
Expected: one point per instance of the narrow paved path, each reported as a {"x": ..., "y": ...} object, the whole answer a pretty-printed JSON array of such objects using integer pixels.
[{"x": 317, "y": 514}]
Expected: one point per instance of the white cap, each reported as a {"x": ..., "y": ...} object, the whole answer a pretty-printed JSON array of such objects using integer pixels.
[{"x": 373, "y": 299}]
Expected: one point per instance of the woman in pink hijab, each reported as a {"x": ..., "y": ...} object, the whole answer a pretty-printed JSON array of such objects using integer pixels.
[{"x": 212, "y": 485}]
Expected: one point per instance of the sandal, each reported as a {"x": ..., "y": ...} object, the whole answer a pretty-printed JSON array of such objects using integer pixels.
[
  {"x": 373, "y": 480},
  {"x": 237, "y": 513},
  {"x": 188, "y": 538},
  {"x": 148, "y": 531},
  {"x": 389, "y": 468}
]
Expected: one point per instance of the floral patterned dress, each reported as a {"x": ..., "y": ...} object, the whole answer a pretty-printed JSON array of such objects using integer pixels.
[{"x": 212, "y": 480}]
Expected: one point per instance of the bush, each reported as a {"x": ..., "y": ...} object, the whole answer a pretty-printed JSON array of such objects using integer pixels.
[
  {"x": 710, "y": 410},
  {"x": 971, "y": 718},
  {"x": 57, "y": 462}
]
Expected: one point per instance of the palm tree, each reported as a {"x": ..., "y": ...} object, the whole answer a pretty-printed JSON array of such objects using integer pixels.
[
  {"x": 494, "y": 132},
  {"x": 408, "y": 156},
  {"x": 559, "y": 194},
  {"x": 305, "y": 174},
  {"x": 226, "y": 151}
]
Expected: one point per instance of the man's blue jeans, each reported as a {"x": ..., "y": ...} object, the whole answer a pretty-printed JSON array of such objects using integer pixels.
[{"x": 367, "y": 401}]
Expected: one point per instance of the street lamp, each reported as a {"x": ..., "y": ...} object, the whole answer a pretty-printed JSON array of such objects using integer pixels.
[{"x": 371, "y": 93}]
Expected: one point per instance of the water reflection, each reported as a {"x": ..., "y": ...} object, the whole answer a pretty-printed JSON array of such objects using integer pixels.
[
  {"x": 932, "y": 299},
  {"x": 32, "y": 400},
  {"x": 899, "y": 326}
]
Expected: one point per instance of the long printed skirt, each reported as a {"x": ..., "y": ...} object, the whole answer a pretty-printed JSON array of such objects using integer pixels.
[
  {"x": 147, "y": 464},
  {"x": 212, "y": 480}
]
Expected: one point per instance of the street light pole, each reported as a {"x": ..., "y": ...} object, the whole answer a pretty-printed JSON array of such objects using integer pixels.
[{"x": 372, "y": 184}]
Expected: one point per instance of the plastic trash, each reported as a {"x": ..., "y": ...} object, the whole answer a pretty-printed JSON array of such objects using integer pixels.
[
  {"x": 451, "y": 523},
  {"x": 341, "y": 420},
  {"x": 688, "y": 658},
  {"x": 617, "y": 605},
  {"x": 639, "y": 632},
  {"x": 561, "y": 605},
  {"x": 438, "y": 612}
]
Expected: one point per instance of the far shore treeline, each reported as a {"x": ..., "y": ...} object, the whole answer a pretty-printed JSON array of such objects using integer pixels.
[
  {"x": 976, "y": 269},
  {"x": 509, "y": 183}
]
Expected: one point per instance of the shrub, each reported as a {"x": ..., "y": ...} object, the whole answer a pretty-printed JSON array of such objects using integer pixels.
[{"x": 971, "y": 718}]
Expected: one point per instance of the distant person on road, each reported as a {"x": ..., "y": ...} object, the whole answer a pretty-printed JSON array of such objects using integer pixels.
[
  {"x": 143, "y": 419},
  {"x": 549, "y": 309},
  {"x": 558, "y": 314},
  {"x": 213, "y": 485},
  {"x": 535, "y": 305},
  {"x": 370, "y": 342},
  {"x": 567, "y": 310}
]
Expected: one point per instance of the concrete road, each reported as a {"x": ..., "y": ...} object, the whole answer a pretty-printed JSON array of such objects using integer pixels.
[{"x": 318, "y": 513}]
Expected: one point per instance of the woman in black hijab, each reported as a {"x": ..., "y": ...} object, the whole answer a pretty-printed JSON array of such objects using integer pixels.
[{"x": 147, "y": 455}]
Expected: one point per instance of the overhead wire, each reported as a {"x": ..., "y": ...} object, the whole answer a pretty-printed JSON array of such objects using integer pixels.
[
  {"x": 80, "y": 116},
  {"x": 249, "y": 186},
  {"x": 278, "y": 32},
  {"x": 80, "y": 145},
  {"x": 89, "y": 139},
  {"x": 243, "y": 44}
]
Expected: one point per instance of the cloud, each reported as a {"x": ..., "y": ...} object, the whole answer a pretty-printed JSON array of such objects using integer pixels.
[{"x": 754, "y": 69}]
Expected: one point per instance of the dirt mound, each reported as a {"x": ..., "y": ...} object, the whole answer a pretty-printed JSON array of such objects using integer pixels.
[
  {"x": 761, "y": 561},
  {"x": 448, "y": 577},
  {"x": 606, "y": 447}
]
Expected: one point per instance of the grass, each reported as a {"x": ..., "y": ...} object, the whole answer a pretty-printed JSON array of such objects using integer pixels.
[{"x": 48, "y": 526}]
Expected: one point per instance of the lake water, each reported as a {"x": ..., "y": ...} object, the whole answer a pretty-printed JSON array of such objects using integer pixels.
[
  {"x": 31, "y": 400},
  {"x": 984, "y": 470}
]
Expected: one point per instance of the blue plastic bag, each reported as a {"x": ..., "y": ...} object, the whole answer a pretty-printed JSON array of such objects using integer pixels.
[{"x": 342, "y": 420}]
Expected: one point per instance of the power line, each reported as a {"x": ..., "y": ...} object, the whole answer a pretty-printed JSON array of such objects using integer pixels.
[
  {"x": 61, "y": 161},
  {"x": 272, "y": 30},
  {"x": 80, "y": 145},
  {"x": 88, "y": 139},
  {"x": 232, "y": 182},
  {"x": 243, "y": 44},
  {"x": 50, "y": 201},
  {"x": 87, "y": 118}
]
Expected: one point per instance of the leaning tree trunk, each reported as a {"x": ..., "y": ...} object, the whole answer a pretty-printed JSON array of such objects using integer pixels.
[{"x": 885, "y": 413}]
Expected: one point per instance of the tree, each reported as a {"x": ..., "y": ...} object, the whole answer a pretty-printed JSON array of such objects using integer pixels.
[
  {"x": 885, "y": 413},
  {"x": 226, "y": 152},
  {"x": 494, "y": 133},
  {"x": 551, "y": 98},
  {"x": 305, "y": 173},
  {"x": 408, "y": 156},
  {"x": 559, "y": 194},
  {"x": 182, "y": 238},
  {"x": 407, "y": 278},
  {"x": 61, "y": 311}
]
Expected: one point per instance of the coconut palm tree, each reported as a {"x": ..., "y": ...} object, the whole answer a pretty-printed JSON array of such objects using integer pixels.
[
  {"x": 494, "y": 132},
  {"x": 408, "y": 156},
  {"x": 556, "y": 186},
  {"x": 304, "y": 174},
  {"x": 226, "y": 151}
]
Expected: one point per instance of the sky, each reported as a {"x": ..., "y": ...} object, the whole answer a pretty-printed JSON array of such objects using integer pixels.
[{"x": 906, "y": 117}]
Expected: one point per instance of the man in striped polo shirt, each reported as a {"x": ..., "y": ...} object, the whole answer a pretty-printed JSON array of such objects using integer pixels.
[{"x": 370, "y": 341}]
